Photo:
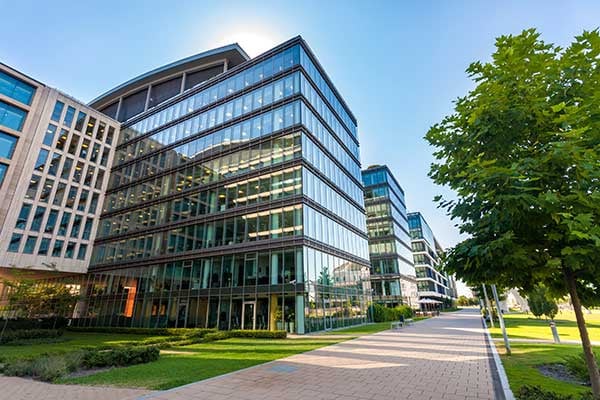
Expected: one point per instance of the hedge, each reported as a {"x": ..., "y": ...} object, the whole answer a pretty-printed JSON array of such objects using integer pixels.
[
  {"x": 380, "y": 313},
  {"x": 11, "y": 336},
  {"x": 51, "y": 367},
  {"x": 144, "y": 331},
  {"x": 39, "y": 323}
]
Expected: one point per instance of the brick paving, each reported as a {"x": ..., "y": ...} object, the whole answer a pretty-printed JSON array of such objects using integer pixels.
[
  {"x": 12, "y": 388},
  {"x": 442, "y": 358}
]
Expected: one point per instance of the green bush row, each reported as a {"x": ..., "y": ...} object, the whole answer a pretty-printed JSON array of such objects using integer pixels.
[
  {"x": 144, "y": 331},
  {"x": 537, "y": 393},
  {"x": 120, "y": 357},
  {"x": 51, "y": 367},
  {"x": 381, "y": 313},
  {"x": 33, "y": 323},
  {"x": 10, "y": 336}
]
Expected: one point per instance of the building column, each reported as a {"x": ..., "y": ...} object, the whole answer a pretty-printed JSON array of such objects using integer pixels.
[
  {"x": 273, "y": 312},
  {"x": 300, "y": 314}
]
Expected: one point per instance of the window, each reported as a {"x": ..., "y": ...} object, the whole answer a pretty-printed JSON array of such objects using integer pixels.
[
  {"x": 89, "y": 176},
  {"x": 76, "y": 226},
  {"x": 66, "y": 171},
  {"x": 49, "y": 135},
  {"x": 87, "y": 229},
  {"x": 54, "y": 163},
  {"x": 70, "y": 250},
  {"x": 100, "y": 132},
  {"x": 90, "y": 126},
  {"x": 44, "y": 247},
  {"x": 82, "y": 200},
  {"x": 78, "y": 172},
  {"x": 16, "y": 89},
  {"x": 93, "y": 203},
  {"x": 3, "y": 168},
  {"x": 82, "y": 251},
  {"x": 57, "y": 249},
  {"x": 99, "y": 179},
  {"x": 58, "y": 108},
  {"x": 73, "y": 144},
  {"x": 80, "y": 120},
  {"x": 7, "y": 145},
  {"x": 62, "y": 139},
  {"x": 64, "y": 224},
  {"x": 104, "y": 158},
  {"x": 11, "y": 117},
  {"x": 46, "y": 190},
  {"x": 71, "y": 197},
  {"x": 69, "y": 116},
  {"x": 51, "y": 223},
  {"x": 109, "y": 136},
  {"x": 132, "y": 105},
  {"x": 85, "y": 147},
  {"x": 29, "y": 244},
  {"x": 23, "y": 216},
  {"x": 60, "y": 194},
  {"x": 33, "y": 187},
  {"x": 36, "y": 224},
  {"x": 95, "y": 153},
  {"x": 15, "y": 242},
  {"x": 41, "y": 160}
]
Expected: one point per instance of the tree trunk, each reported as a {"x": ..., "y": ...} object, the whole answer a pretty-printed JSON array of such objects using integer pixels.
[{"x": 590, "y": 359}]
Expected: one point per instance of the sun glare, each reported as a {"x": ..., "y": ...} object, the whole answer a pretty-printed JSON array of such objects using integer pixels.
[{"x": 254, "y": 43}]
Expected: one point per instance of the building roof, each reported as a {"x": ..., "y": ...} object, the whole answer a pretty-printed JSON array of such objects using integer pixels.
[{"x": 232, "y": 52}]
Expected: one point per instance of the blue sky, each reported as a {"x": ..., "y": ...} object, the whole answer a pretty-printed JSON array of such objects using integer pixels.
[{"x": 398, "y": 64}]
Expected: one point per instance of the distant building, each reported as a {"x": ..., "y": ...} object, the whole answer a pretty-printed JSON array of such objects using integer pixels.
[
  {"x": 55, "y": 154},
  {"x": 432, "y": 283},
  {"x": 393, "y": 277}
]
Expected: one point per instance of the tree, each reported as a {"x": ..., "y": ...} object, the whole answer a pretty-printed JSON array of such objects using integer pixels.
[
  {"x": 522, "y": 153},
  {"x": 541, "y": 302}
]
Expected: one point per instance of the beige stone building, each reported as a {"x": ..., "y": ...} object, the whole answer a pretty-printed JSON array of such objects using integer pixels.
[{"x": 55, "y": 154}]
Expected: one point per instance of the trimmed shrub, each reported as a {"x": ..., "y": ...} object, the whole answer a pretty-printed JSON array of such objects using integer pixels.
[
  {"x": 381, "y": 313},
  {"x": 10, "y": 336},
  {"x": 39, "y": 323},
  {"x": 537, "y": 393},
  {"x": 120, "y": 357},
  {"x": 46, "y": 368},
  {"x": 144, "y": 331},
  {"x": 258, "y": 334}
]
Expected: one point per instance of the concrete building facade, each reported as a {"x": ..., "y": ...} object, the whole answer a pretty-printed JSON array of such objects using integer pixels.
[{"x": 55, "y": 154}]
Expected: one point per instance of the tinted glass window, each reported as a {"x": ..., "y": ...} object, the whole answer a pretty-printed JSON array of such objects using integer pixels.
[
  {"x": 58, "y": 108},
  {"x": 69, "y": 116},
  {"x": 11, "y": 117},
  {"x": 133, "y": 105},
  {"x": 7, "y": 145},
  {"x": 164, "y": 91},
  {"x": 16, "y": 89}
]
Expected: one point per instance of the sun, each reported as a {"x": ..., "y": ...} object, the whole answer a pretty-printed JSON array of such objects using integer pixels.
[{"x": 254, "y": 43}]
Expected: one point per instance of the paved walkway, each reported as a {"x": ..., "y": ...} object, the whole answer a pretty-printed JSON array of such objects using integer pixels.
[
  {"x": 443, "y": 358},
  {"x": 12, "y": 388}
]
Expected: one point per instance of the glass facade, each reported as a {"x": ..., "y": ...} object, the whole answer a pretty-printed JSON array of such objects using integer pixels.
[
  {"x": 432, "y": 282},
  {"x": 237, "y": 204},
  {"x": 16, "y": 89},
  {"x": 393, "y": 276}
]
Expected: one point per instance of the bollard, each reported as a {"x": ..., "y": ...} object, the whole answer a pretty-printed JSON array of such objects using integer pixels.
[{"x": 554, "y": 332}]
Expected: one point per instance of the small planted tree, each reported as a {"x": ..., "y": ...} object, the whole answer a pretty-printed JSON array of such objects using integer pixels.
[
  {"x": 541, "y": 302},
  {"x": 522, "y": 152}
]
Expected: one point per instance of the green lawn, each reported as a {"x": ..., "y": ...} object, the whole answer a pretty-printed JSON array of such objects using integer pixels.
[
  {"x": 526, "y": 326},
  {"x": 202, "y": 361},
  {"x": 521, "y": 366},
  {"x": 70, "y": 341}
]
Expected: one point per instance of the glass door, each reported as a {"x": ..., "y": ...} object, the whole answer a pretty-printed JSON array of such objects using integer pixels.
[{"x": 249, "y": 315}]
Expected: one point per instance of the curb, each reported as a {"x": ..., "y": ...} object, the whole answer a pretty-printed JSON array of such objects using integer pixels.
[{"x": 508, "y": 394}]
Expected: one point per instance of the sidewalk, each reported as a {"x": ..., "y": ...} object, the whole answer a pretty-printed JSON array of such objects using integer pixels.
[{"x": 443, "y": 358}]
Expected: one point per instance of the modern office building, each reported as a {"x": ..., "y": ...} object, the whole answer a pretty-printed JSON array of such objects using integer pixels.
[
  {"x": 432, "y": 283},
  {"x": 393, "y": 277},
  {"x": 235, "y": 199},
  {"x": 54, "y": 159}
]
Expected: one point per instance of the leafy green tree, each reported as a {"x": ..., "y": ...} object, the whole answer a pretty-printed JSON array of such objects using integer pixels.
[
  {"x": 541, "y": 302},
  {"x": 522, "y": 152}
]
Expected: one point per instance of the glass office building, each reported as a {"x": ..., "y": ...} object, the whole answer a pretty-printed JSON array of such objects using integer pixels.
[
  {"x": 393, "y": 277},
  {"x": 432, "y": 283},
  {"x": 235, "y": 204}
]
